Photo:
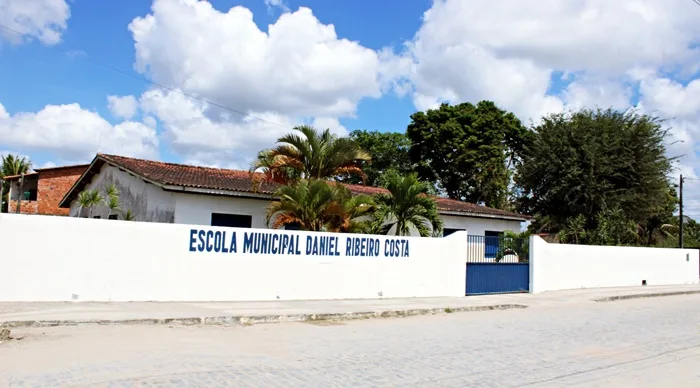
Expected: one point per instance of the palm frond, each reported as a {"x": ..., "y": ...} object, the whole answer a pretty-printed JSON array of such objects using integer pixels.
[
  {"x": 128, "y": 215},
  {"x": 406, "y": 207},
  {"x": 111, "y": 191}
]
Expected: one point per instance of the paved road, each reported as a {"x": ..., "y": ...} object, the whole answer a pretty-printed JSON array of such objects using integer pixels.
[{"x": 637, "y": 343}]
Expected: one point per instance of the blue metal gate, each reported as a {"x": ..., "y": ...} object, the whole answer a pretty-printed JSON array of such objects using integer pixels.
[{"x": 497, "y": 264}]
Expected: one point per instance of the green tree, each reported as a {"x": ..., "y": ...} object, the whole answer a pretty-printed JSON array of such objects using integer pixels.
[
  {"x": 11, "y": 165},
  {"x": 315, "y": 205},
  {"x": 312, "y": 155},
  {"x": 661, "y": 225},
  {"x": 389, "y": 151},
  {"x": 406, "y": 207},
  {"x": 593, "y": 166},
  {"x": 468, "y": 150}
]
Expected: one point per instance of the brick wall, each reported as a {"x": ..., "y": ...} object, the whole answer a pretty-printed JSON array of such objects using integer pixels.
[
  {"x": 53, "y": 186},
  {"x": 26, "y": 207}
]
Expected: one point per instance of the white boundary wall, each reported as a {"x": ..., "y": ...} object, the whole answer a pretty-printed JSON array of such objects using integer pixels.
[
  {"x": 564, "y": 266},
  {"x": 44, "y": 258}
]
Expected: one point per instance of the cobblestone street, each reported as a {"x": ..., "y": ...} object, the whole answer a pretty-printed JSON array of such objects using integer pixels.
[{"x": 652, "y": 342}]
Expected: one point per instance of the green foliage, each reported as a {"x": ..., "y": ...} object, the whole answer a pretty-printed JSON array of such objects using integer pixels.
[
  {"x": 11, "y": 165},
  {"x": 468, "y": 150},
  {"x": 594, "y": 175},
  {"x": 112, "y": 199},
  {"x": 310, "y": 154},
  {"x": 128, "y": 215},
  {"x": 350, "y": 212},
  {"x": 89, "y": 200},
  {"x": 611, "y": 228},
  {"x": 113, "y": 205},
  {"x": 407, "y": 206},
  {"x": 512, "y": 243},
  {"x": 389, "y": 151},
  {"x": 315, "y": 205}
]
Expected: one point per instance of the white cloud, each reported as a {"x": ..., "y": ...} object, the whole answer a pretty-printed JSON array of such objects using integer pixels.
[
  {"x": 212, "y": 136},
  {"x": 298, "y": 69},
  {"x": 330, "y": 123},
  {"x": 150, "y": 121},
  {"x": 509, "y": 53},
  {"x": 276, "y": 4},
  {"x": 122, "y": 107},
  {"x": 604, "y": 50},
  {"x": 680, "y": 106},
  {"x": 73, "y": 133},
  {"x": 44, "y": 20}
]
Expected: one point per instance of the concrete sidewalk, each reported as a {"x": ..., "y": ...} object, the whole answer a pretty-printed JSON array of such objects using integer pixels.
[{"x": 19, "y": 314}]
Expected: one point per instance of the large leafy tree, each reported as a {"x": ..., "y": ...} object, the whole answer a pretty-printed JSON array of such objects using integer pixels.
[
  {"x": 389, "y": 151},
  {"x": 316, "y": 205},
  {"x": 310, "y": 154},
  {"x": 592, "y": 166},
  {"x": 12, "y": 165},
  {"x": 468, "y": 150},
  {"x": 407, "y": 206}
]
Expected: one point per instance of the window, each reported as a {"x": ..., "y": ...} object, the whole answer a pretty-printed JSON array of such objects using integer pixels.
[
  {"x": 231, "y": 220},
  {"x": 29, "y": 195},
  {"x": 113, "y": 217},
  {"x": 294, "y": 226},
  {"x": 448, "y": 231},
  {"x": 491, "y": 243}
]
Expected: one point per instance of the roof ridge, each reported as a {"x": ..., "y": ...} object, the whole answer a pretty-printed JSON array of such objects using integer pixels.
[
  {"x": 60, "y": 167},
  {"x": 110, "y": 156}
]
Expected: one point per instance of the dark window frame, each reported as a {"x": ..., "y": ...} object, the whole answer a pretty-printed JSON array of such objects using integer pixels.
[
  {"x": 295, "y": 226},
  {"x": 492, "y": 240},
  {"x": 231, "y": 220},
  {"x": 448, "y": 231}
]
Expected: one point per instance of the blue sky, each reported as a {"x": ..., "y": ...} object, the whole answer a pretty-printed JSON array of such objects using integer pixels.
[
  {"x": 339, "y": 64},
  {"x": 34, "y": 75}
]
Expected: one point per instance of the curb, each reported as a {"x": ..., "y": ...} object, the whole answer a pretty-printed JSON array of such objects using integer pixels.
[
  {"x": 247, "y": 320},
  {"x": 652, "y": 295}
]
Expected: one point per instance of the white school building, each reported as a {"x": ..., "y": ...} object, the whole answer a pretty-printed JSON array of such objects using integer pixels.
[{"x": 182, "y": 194}]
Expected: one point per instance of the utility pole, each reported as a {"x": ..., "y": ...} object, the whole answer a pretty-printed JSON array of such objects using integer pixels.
[{"x": 680, "y": 225}]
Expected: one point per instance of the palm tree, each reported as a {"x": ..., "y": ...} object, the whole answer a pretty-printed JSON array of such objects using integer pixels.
[
  {"x": 95, "y": 199},
  {"x": 406, "y": 206},
  {"x": 12, "y": 165},
  {"x": 275, "y": 172},
  {"x": 84, "y": 202},
  {"x": 128, "y": 215},
  {"x": 305, "y": 203},
  {"x": 350, "y": 213},
  {"x": 113, "y": 205},
  {"x": 311, "y": 155},
  {"x": 112, "y": 200}
]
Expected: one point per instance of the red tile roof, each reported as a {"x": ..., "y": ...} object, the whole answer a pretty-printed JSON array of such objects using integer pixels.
[
  {"x": 13, "y": 177},
  {"x": 38, "y": 170},
  {"x": 181, "y": 175},
  {"x": 61, "y": 167}
]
